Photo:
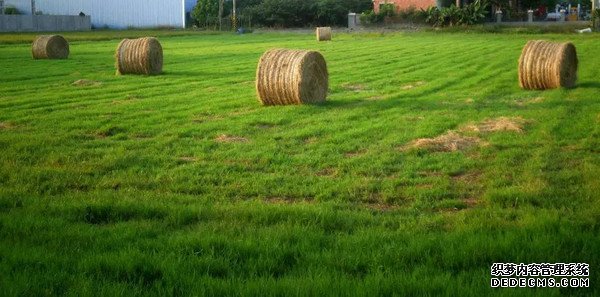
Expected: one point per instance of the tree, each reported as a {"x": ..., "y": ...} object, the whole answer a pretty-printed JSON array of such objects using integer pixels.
[
  {"x": 335, "y": 12},
  {"x": 304, "y": 13},
  {"x": 205, "y": 11}
]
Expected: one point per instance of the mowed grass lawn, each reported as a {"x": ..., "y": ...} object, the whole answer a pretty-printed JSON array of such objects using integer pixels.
[{"x": 183, "y": 184}]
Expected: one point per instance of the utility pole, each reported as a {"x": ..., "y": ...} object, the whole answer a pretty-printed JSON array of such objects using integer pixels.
[
  {"x": 595, "y": 20},
  {"x": 234, "y": 20},
  {"x": 32, "y": 7},
  {"x": 221, "y": 14}
]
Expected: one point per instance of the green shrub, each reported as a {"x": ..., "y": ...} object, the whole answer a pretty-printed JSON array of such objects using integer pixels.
[
  {"x": 412, "y": 15},
  {"x": 303, "y": 13},
  {"x": 370, "y": 17},
  {"x": 473, "y": 13},
  {"x": 387, "y": 10},
  {"x": 470, "y": 14},
  {"x": 205, "y": 12},
  {"x": 11, "y": 10}
]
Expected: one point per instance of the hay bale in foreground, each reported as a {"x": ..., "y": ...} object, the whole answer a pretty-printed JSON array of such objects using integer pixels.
[
  {"x": 547, "y": 65},
  {"x": 323, "y": 33},
  {"x": 291, "y": 77},
  {"x": 50, "y": 47},
  {"x": 139, "y": 56}
]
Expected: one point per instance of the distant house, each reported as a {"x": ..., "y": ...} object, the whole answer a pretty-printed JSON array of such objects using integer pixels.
[
  {"x": 116, "y": 14},
  {"x": 404, "y": 4}
]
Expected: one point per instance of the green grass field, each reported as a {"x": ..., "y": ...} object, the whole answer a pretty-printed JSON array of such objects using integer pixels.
[{"x": 182, "y": 184}]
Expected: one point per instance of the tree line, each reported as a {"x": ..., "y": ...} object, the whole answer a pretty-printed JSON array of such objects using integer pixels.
[{"x": 281, "y": 13}]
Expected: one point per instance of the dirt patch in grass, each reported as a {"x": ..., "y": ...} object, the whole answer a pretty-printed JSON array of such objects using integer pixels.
[
  {"x": 468, "y": 177},
  {"x": 380, "y": 207},
  {"x": 414, "y": 118},
  {"x": 109, "y": 132},
  {"x": 424, "y": 186},
  {"x": 471, "y": 202},
  {"x": 448, "y": 142},
  {"x": 209, "y": 116},
  {"x": 265, "y": 126},
  {"x": 141, "y": 135},
  {"x": 523, "y": 102},
  {"x": 287, "y": 200},
  {"x": 329, "y": 171},
  {"x": 500, "y": 124},
  {"x": 412, "y": 85},
  {"x": 129, "y": 98},
  {"x": 205, "y": 117},
  {"x": 354, "y": 87},
  {"x": 187, "y": 159},
  {"x": 377, "y": 97},
  {"x": 86, "y": 83},
  {"x": 133, "y": 96},
  {"x": 430, "y": 173},
  {"x": 355, "y": 153},
  {"x": 241, "y": 112},
  {"x": 310, "y": 140},
  {"x": 6, "y": 126},
  {"x": 223, "y": 138}
]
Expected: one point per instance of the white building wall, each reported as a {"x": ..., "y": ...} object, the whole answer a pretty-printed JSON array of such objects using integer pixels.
[{"x": 116, "y": 14}]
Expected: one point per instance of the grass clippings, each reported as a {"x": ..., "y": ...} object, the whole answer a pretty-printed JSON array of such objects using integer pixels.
[
  {"x": 86, "y": 83},
  {"x": 223, "y": 138},
  {"x": 448, "y": 142},
  {"x": 412, "y": 85},
  {"x": 501, "y": 124},
  {"x": 354, "y": 87}
]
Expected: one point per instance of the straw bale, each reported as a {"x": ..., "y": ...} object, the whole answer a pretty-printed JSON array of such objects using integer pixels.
[{"x": 291, "y": 77}]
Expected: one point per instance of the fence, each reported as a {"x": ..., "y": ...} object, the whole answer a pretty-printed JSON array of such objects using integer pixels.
[{"x": 44, "y": 23}]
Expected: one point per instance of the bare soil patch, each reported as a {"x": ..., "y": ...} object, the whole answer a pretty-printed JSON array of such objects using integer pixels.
[
  {"x": 86, "y": 83},
  {"x": 223, "y": 138},
  {"x": 412, "y": 85},
  {"x": 500, "y": 124},
  {"x": 448, "y": 142},
  {"x": 354, "y": 87}
]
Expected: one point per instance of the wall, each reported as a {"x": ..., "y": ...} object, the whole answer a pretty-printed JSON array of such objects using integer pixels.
[
  {"x": 404, "y": 4},
  {"x": 43, "y": 23},
  {"x": 115, "y": 14}
]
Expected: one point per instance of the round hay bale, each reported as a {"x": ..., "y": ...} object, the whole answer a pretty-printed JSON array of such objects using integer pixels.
[
  {"x": 139, "y": 56},
  {"x": 323, "y": 33},
  {"x": 50, "y": 47},
  {"x": 291, "y": 77},
  {"x": 547, "y": 65}
]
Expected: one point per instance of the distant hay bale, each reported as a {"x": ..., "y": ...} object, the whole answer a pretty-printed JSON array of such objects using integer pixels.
[
  {"x": 139, "y": 56},
  {"x": 50, "y": 47},
  {"x": 547, "y": 65},
  {"x": 323, "y": 33},
  {"x": 291, "y": 77}
]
